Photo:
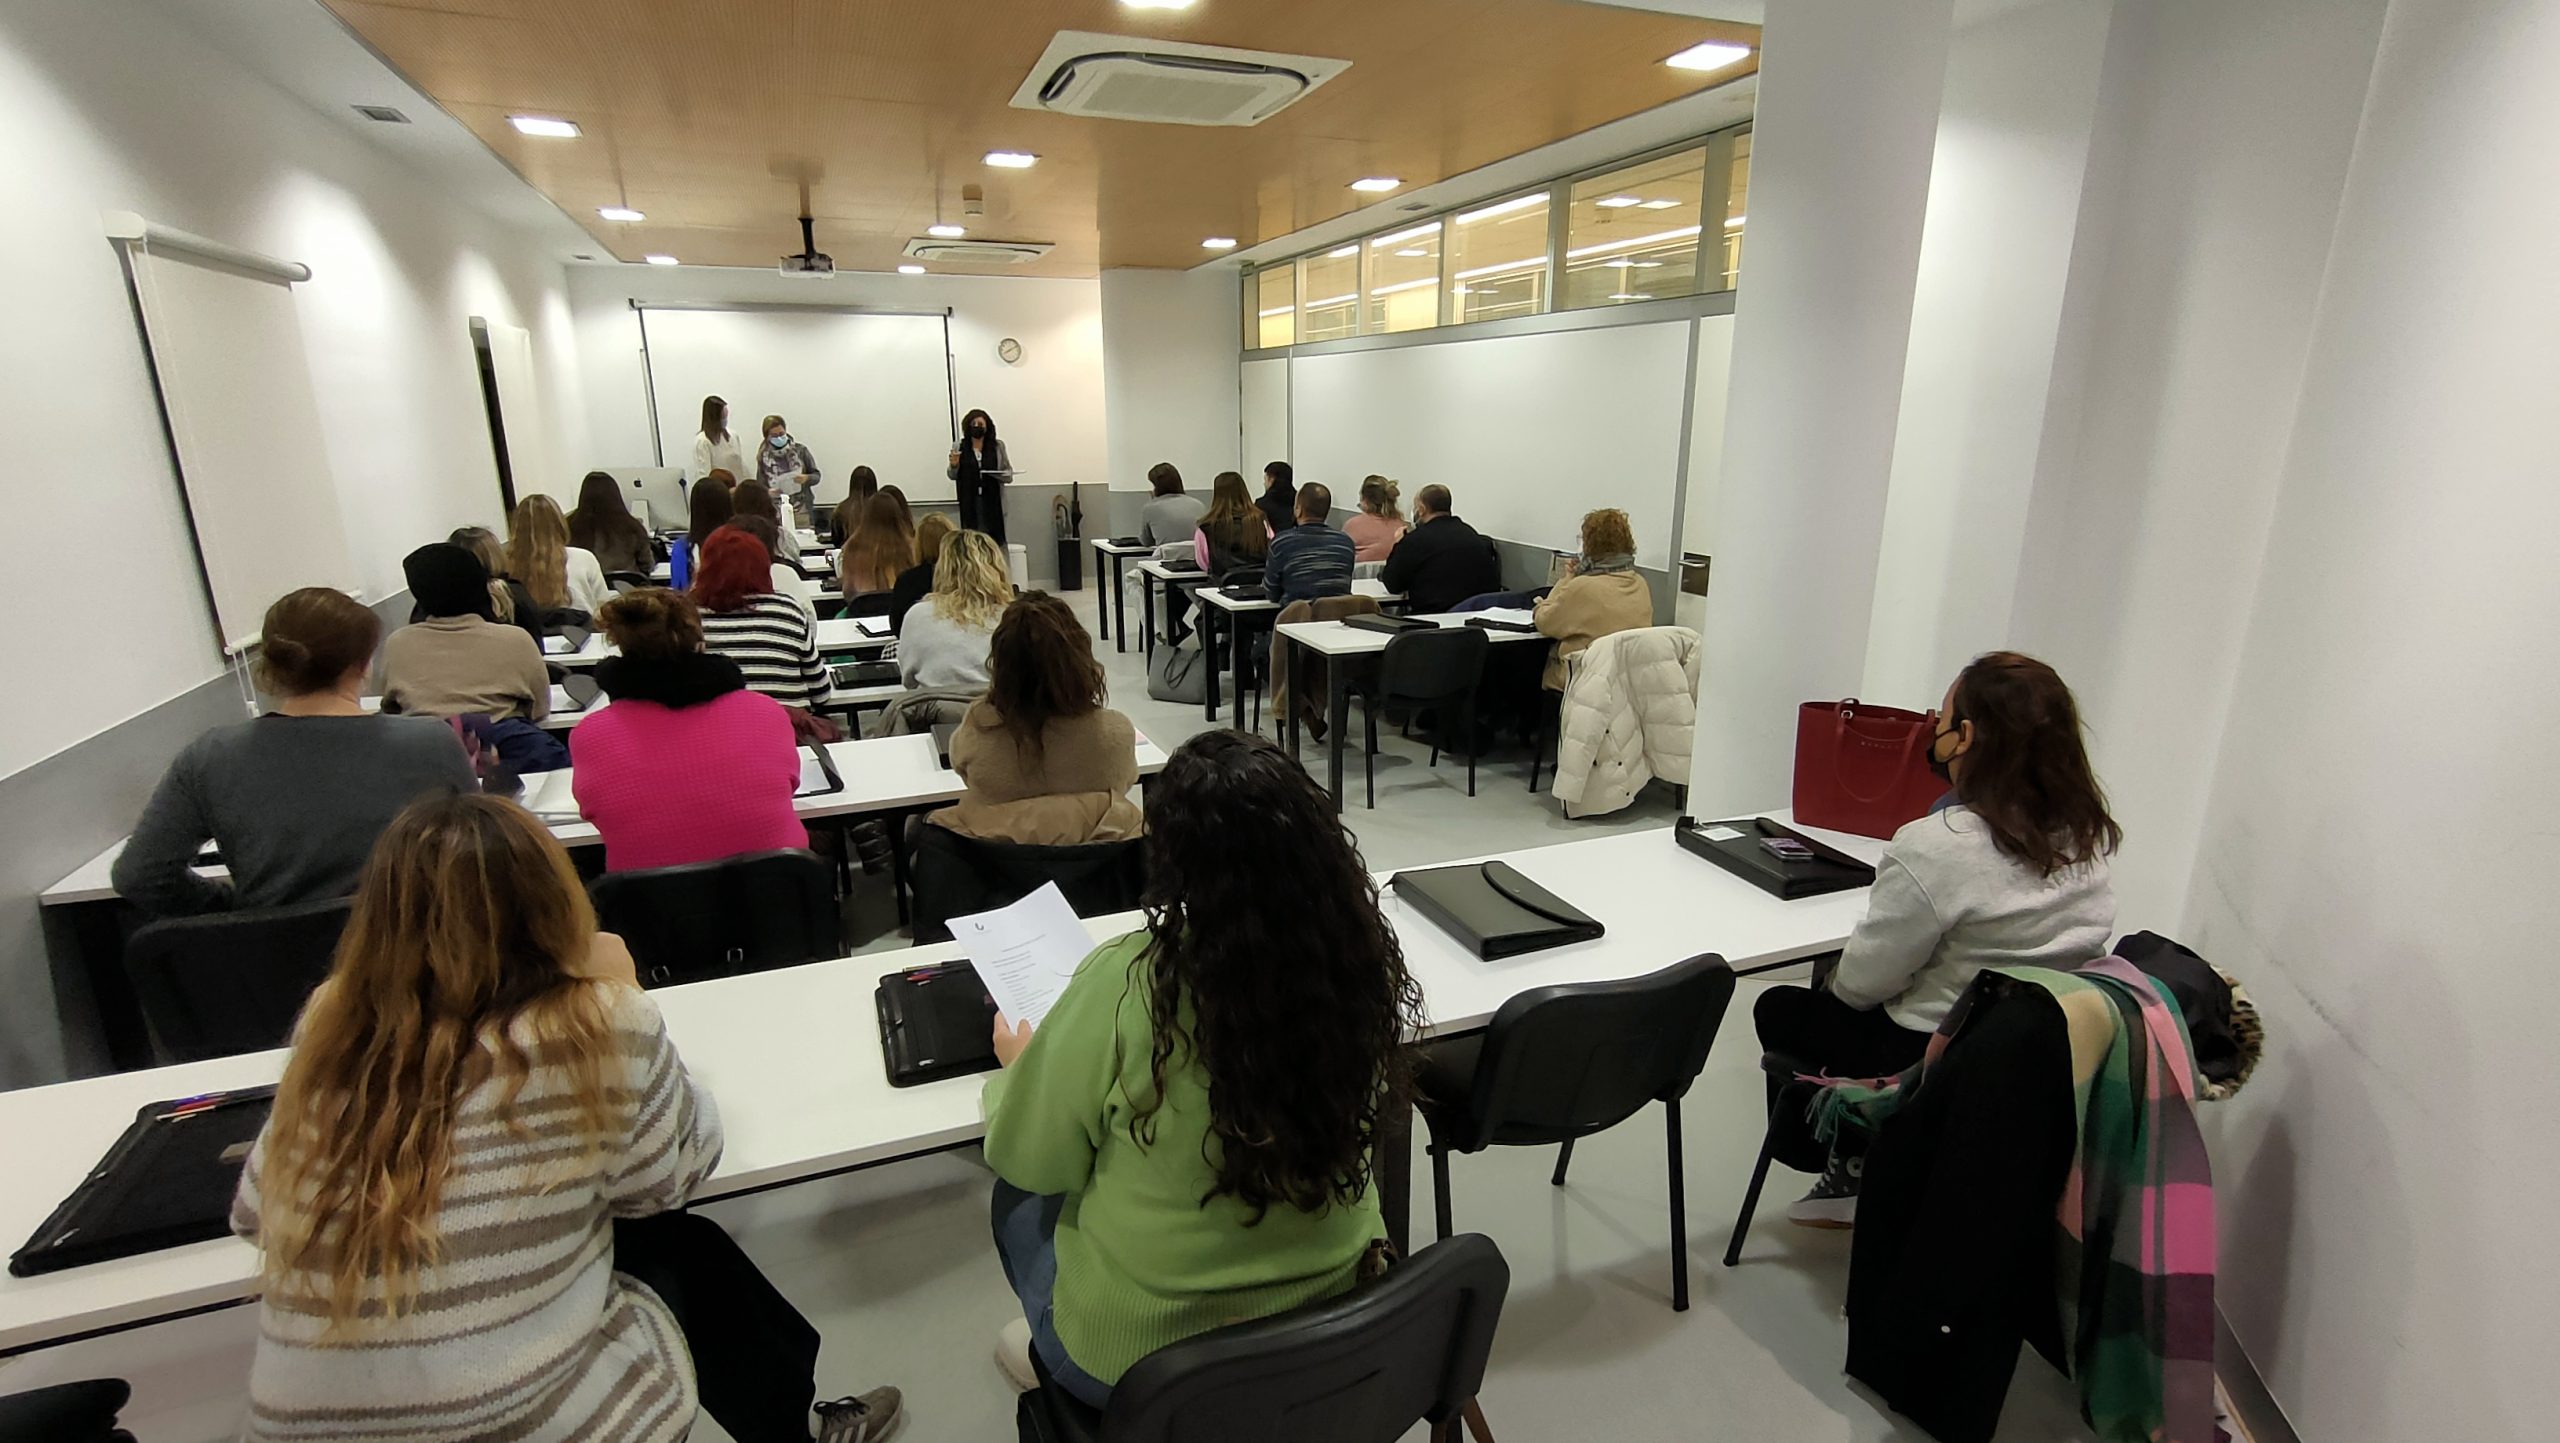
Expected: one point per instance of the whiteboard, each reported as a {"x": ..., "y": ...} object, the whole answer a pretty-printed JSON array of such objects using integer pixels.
[
  {"x": 522, "y": 413},
  {"x": 858, "y": 388},
  {"x": 1266, "y": 417},
  {"x": 1527, "y": 432}
]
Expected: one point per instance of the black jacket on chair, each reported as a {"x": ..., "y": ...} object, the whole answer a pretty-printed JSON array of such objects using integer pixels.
[{"x": 1441, "y": 563}]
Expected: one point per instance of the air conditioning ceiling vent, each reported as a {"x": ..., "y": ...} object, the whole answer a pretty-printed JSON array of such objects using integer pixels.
[
  {"x": 1165, "y": 82},
  {"x": 977, "y": 252}
]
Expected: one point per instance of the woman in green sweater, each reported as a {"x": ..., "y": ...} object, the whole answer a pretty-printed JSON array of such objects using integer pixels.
[{"x": 1185, "y": 1142}]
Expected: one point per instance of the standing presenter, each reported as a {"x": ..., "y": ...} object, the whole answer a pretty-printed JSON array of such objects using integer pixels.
[{"x": 980, "y": 465}]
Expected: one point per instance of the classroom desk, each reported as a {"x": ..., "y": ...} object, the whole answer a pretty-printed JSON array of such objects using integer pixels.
[
  {"x": 1343, "y": 644},
  {"x": 1152, "y": 574},
  {"x": 793, "y": 1058},
  {"x": 839, "y": 637},
  {"x": 1241, "y": 611},
  {"x": 565, "y": 711},
  {"x": 1104, "y": 601},
  {"x": 814, "y": 563}
]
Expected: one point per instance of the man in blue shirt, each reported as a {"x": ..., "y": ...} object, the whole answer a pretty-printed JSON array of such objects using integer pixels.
[{"x": 1309, "y": 559}]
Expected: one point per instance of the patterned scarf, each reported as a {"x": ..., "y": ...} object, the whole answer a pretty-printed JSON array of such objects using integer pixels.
[{"x": 2135, "y": 1245}]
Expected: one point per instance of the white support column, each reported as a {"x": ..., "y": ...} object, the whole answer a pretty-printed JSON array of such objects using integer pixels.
[{"x": 1848, "y": 116}]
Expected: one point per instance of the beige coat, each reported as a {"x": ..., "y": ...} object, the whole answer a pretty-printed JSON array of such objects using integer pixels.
[
  {"x": 1074, "y": 790},
  {"x": 1630, "y": 716},
  {"x": 1583, "y": 609},
  {"x": 451, "y": 666}
]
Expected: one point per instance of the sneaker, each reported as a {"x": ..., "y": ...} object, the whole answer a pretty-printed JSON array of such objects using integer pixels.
[
  {"x": 1013, "y": 1355},
  {"x": 1833, "y": 1203},
  {"x": 859, "y": 1420}
]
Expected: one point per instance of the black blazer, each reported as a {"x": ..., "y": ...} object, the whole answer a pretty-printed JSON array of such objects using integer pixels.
[
  {"x": 1441, "y": 563},
  {"x": 913, "y": 585},
  {"x": 1280, "y": 508}
]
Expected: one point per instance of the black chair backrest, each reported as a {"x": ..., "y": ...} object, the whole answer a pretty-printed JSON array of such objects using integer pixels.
[
  {"x": 869, "y": 603},
  {"x": 955, "y": 876},
  {"x": 1434, "y": 665},
  {"x": 1566, "y": 1061},
  {"x": 718, "y": 919},
  {"x": 231, "y": 982},
  {"x": 1361, "y": 1368},
  {"x": 626, "y": 581},
  {"x": 83, "y": 1412}
]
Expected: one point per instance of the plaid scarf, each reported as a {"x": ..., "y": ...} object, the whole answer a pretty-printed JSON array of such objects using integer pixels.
[{"x": 2135, "y": 1244}]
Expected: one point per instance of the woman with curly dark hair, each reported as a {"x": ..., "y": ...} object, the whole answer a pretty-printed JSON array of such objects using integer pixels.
[{"x": 1185, "y": 1141}]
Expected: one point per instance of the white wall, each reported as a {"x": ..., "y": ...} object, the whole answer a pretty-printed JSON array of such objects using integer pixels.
[
  {"x": 1171, "y": 352},
  {"x": 1048, "y": 408},
  {"x": 108, "y": 108},
  {"x": 1265, "y": 428}
]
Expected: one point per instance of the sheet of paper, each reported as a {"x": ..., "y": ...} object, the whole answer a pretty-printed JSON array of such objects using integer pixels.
[
  {"x": 1513, "y": 614},
  {"x": 547, "y": 795},
  {"x": 1026, "y": 952},
  {"x": 813, "y": 777},
  {"x": 1721, "y": 834},
  {"x": 555, "y": 646},
  {"x": 872, "y": 626}
]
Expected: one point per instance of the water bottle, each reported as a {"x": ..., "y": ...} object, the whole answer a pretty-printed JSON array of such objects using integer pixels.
[{"x": 680, "y": 562}]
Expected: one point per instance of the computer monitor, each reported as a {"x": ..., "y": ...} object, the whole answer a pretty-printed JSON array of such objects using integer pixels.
[{"x": 655, "y": 494}]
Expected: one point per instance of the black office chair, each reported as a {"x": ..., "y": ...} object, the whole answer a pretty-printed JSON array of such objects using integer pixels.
[
  {"x": 869, "y": 603},
  {"x": 83, "y": 1412},
  {"x": 1438, "y": 670},
  {"x": 1361, "y": 1368},
  {"x": 623, "y": 582},
  {"x": 1560, "y": 1063},
  {"x": 231, "y": 982},
  {"x": 737, "y": 915},
  {"x": 957, "y": 876},
  {"x": 1790, "y": 1096}
]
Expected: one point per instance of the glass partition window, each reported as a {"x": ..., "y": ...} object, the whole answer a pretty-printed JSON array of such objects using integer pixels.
[
  {"x": 1272, "y": 307},
  {"x": 1633, "y": 234},
  {"x": 1497, "y": 260},
  {"x": 1329, "y": 294},
  {"x": 1404, "y": 279},
  {"x": 1737, "y": 191}
]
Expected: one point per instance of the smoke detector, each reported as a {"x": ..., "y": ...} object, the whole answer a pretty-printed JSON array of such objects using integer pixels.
[
  {"x": 1168, "y": 82},
  {"x": 973, "y": 251}
]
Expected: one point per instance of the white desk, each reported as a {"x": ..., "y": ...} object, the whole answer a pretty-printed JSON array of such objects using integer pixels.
[
  {"x": 1104, "y": 601},
  {"x": 840, "y": 637},
  {"x": 793, "y": 1058},
  {"x": 565, "y": 711},
  {"x": 1237, "y": 610},
  {"x": 1152, "y": 574},
  {"x": 814, "y": 562},
  {"x": 1338, "y": 640}
]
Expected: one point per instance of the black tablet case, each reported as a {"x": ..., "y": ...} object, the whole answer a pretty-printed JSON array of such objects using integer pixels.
[
  {"x": 167, "y": 1181},
  {"x": 1829, "y": 870},
  {"x": 935, "y": 1022},
  {"x": 866, "y": 673},
  {"x": 1494, "y": 910},
  {"x": 1392, "y": 625}
]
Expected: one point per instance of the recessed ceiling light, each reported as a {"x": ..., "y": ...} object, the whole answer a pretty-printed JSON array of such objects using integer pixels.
[
  {"x": 1156, "y": 4},
  {"x": 1618, "y": 202},
  {"x": 544, "y": 125},
  {"x": 911, "y": 270},
  {"x": 1411, "y": 251},
  {"x": 1012, "y": 159},
  {"x": 1219, "y": 243},
  {"x": 1660, "y": 204},
  {"x": 1338, "y": 252},
  {"x": 1711, "y": 55},
  {"x": 1376, "y": 184},
  {"x": 1647, "y": 265},
  {"x": 946, "y": 232},
  {"x": 1626, "y": 296},
  {"x": 1734, "y": 224},
  {"x": 660, "y": 260},
  {"x": 1507, "y": 207},
  {"x": 620, "y": 213}
]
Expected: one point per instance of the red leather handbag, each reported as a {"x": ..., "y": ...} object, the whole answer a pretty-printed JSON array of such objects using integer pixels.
[{"x": 1861, "y": 768}]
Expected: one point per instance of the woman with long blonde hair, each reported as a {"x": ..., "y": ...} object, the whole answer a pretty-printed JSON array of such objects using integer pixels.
[
  {"x": 466, "y": 1197},
  {"x": 881, "y": 548},
  {"x": 555, "y": 572},
  {"x": 944, "y": 640}
]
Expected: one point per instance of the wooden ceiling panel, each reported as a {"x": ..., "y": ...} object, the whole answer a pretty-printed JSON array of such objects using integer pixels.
[{"x": 711, "y": 115}]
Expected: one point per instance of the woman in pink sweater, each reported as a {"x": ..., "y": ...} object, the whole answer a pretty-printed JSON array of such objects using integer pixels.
[{"x": 686, "y": 765}]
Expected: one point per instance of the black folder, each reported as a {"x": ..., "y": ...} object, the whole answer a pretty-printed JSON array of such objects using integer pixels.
[
  {"x": 935, "y": 1022},
  {"x": 167, "y": 1181},
  {"x": 1392, "y": 625},
  {"x": 866, "y": 673},
  {"x": 1494, "y": 910},
  {"x": 1828, "y": 870}
]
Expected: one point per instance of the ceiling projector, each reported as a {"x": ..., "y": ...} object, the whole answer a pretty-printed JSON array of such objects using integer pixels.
[{"x": 811, "y": 261}]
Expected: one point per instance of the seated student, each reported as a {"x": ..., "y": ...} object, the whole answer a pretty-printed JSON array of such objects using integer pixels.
[
  {"x": 1378, "y": 525},
  {"x": 711, "y": 504},
  {"x": 881, "y": 548},
  {"x": 294, "y": 798},
  {"x": 1047, "y": 764},
  {"x": 758, "y": 500},
  {"x": 1309, "y": 559},
  {"x": 509, "y": 602},
  {"x": 539, "y": 554},
  {"x": 1442, "y": 561},
  {"x": 916, "y": 582},
  {"x": 772, "y": 640},
  {"x": 1600, "y": 594},
  {"x": 640, "y": 772},
  {"x": 1185, "y": 1141},
  {"x": 1279, "y": 499},
  {"x": 2010, "y": 869},
  {"x": 1172, "y": 515},
  {"x": 457, "y": 660},
  {"x": 862, "y": 484},
  {"x": 604, "y": 526},
  {"x": 945, "y": 640},
  {"x": 468, "y": 1201},
  {"x": 1232, "y": 535},
  {"x": 786, "y": 577}
]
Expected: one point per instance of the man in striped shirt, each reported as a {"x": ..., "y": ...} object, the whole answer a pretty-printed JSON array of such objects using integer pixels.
[{"x": 1309, "y": 559}]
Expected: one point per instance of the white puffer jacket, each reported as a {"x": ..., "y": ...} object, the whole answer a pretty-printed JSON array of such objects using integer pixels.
[{"x": 1630, "y": 715}]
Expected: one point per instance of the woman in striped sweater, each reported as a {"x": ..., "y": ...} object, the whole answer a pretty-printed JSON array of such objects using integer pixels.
[
  {"x": 467, "y": 1196},
  {"x": 765, "y": 632}
]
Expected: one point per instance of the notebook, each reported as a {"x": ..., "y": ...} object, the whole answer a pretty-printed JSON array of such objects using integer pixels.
[
  {"x": 875, "y": 627},
  {"x": 935, "y": 1022},
  {"x": 167, "y": 1181}
]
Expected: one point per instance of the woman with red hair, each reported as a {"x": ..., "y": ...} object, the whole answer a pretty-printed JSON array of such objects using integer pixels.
[{"x": 744, "y": 619}]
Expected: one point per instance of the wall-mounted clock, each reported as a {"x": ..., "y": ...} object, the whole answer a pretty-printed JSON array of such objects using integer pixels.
[{"x": 1009, "y": 351}]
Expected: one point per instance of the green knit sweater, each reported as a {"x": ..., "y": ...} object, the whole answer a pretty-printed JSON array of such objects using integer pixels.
[{"x": 1142, "y": 1260}]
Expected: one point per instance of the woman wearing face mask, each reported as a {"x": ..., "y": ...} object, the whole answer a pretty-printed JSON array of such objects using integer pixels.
[
  {"x": 717, "y": 448},
  {"x": 980, "y": 465},
  {"x": 785, "y": 467},
  {"x": 2009, "y": 869}
]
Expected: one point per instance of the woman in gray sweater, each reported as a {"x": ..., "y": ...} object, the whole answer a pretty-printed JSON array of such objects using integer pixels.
[
  {"x": 293, "y": 798},
  {"x": 2009, "y": 869}
]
